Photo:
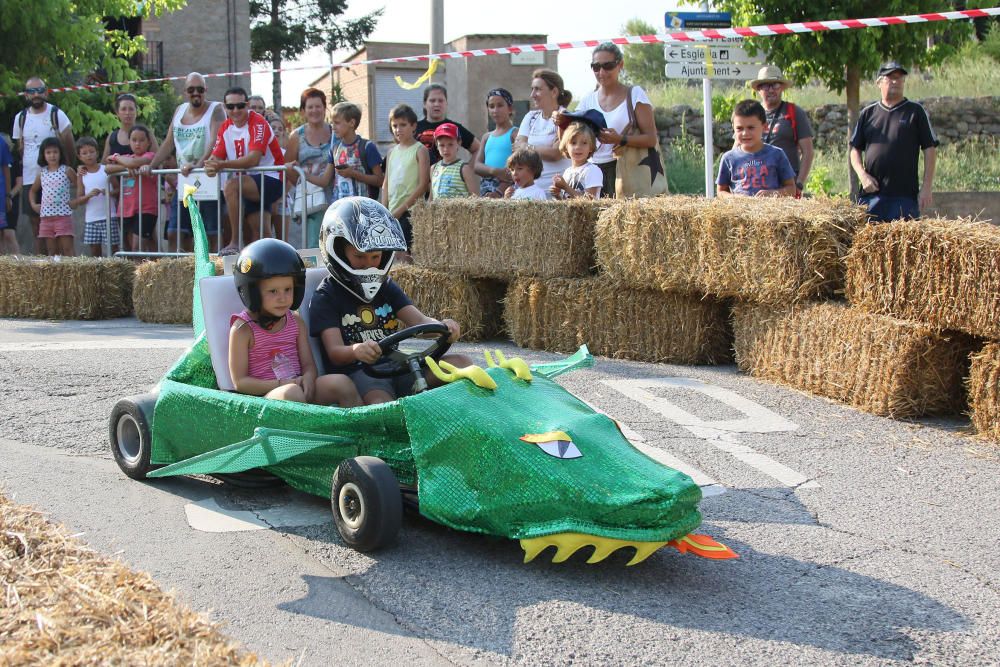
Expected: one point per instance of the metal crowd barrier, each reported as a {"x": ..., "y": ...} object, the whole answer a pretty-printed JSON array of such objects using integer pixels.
[{"x": 282, "y": 209}]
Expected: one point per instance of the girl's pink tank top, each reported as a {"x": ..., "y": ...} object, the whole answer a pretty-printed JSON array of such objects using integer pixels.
[{"x": 273, "y": 351}]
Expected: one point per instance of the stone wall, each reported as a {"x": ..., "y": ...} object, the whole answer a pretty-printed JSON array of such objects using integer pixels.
[{"x": 953, "y": 118}]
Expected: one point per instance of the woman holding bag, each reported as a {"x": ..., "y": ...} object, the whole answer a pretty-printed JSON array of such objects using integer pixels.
[{"x": 612, "y": 99}]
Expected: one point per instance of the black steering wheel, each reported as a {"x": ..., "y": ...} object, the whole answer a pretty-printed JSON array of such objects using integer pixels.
[{"x": 395, "y": 362}]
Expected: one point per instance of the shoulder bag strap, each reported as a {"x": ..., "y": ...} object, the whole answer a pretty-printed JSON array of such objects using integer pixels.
[{"x": 632, "y": 123}]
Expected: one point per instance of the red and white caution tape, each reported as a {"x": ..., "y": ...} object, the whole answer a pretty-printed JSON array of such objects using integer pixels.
[{"x": 682, "y": 36}]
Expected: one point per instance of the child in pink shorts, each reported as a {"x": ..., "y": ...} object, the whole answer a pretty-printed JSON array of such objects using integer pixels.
[{"x": 55, "y": 181}]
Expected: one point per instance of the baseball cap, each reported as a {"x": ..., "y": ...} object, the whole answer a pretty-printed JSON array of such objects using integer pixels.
[
  {"x": 446, "y": 130},
  {"x": 890, "y": 67},
  {"x": 592, "y": 117}
]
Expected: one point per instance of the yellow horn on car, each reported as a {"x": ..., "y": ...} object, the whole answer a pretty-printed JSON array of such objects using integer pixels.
[
  {"x": 448, "y": 373},
  {"x": 517, "y": 365}
]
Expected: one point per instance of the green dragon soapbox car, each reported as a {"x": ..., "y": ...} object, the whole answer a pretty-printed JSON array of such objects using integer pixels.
[{"x": 504, "y": 450}]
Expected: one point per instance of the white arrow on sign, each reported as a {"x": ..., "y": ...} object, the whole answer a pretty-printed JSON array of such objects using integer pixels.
[
  {"x": 732, "y": 71},
  {"x": 694, "y": 54}
]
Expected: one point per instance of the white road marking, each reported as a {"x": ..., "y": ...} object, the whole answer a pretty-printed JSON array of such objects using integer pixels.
[
  {"x": 720, "y": 433},
  {"x": 97, "y": 344},
  {"x": 207, "y": 516},
  {"x": 709, "y": 487}
]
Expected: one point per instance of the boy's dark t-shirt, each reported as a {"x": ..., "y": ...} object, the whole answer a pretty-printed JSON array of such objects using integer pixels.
[
  {"x": 425, "y": 135},
  {"x": 332, "y": 306}
]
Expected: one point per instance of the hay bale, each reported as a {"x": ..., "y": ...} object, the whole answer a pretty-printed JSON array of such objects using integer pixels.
[
  {"x": 873, "y": 362},
  {"x": 163, "y": 290},
  {"x": 984, "y": 391},
  {"x": 497, "y": 238},
  {"x": 73, "y": 288},
  {"x": 475, "y": 303},
  {"x": 560, "y": 314},
  {"x": 774, "y": 250},
  {"x": 945, "y": 273},
  {"x": 67, "y": 605}
]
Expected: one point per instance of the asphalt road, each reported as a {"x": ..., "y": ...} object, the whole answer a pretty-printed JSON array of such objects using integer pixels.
[{"x": 862, "y": 540}]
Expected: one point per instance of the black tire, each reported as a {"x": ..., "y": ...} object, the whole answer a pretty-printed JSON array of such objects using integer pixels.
[
  {"x": 131, "y": 434},
  {"x": 366, "y": 502}
]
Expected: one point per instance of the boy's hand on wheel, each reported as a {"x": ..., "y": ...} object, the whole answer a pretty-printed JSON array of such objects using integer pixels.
[
  {"x": 367, "y": 352},
  {"x": 456, "y": 331}
]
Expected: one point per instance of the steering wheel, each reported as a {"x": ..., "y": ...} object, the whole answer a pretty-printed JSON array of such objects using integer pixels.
[{"x": 395, "y": 362}]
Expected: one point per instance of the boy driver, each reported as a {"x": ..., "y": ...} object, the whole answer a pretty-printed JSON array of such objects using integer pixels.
[{"x": 358, "y": 305}]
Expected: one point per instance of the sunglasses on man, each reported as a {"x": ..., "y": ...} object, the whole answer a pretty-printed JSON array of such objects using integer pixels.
[
  {"x": 607, "y": 67},
  {"x": 191, "y": 90},
  {"x": 40, "y": 90},
  {"x": 236, "y": 105}
]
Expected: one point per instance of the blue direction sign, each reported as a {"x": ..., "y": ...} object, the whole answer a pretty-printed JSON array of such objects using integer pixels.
[{"x": 698, "y": 20}]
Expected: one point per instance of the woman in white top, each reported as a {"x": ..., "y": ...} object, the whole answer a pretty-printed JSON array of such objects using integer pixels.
[
  {"x": 611, "y": 99},
  {"x": 537, "y": 129}
]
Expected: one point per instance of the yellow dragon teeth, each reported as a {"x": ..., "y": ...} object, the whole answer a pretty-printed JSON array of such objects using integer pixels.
[
  {"x": 567, "y": 544},
  {"x": 448, "y": 373}
]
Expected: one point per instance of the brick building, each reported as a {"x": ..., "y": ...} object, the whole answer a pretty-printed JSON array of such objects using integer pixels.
[
  {"x": 374, "y": 89},
  {"x": 205, "y": 36}
]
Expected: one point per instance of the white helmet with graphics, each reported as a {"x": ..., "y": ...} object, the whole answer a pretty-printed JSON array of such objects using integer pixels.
[{"x": 368, "y": 226}]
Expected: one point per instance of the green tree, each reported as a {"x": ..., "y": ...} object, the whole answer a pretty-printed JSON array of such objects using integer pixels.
[
  {"x": 284, "y": 29},
  {"x": 644, "y": 63},
  {"x": 68, "y": 42},
  {"x": 841, "y": 58}
]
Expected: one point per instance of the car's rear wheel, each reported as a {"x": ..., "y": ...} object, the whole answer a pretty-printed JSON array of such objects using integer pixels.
[
  {"x": 131, "y": 434},
  {"x": 366, "y": 502}
]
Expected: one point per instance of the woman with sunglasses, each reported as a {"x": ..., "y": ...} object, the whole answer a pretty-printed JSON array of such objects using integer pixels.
[
  {"x": 611, "y": 99},
  {"x": 538, "y": 131}
]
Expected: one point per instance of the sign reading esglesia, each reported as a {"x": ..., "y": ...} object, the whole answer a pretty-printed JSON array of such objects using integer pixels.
[{"x": 721, "y": 59}]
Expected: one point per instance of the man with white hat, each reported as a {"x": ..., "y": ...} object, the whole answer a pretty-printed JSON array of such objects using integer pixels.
[
  {"x": 891, "y": 133},
  {"x": 787, "y": 125}
]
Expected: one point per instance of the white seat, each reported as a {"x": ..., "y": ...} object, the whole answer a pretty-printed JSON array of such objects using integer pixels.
[{"x": 220, "y": 301}]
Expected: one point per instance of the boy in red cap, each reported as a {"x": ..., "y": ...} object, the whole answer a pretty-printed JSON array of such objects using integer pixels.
[{"x": 451, "y": 178}]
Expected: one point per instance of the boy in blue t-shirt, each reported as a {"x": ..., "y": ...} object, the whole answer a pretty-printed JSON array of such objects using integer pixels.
[
  {"x": 354, "y": 164},
  {"x": 753, "y": 168}
]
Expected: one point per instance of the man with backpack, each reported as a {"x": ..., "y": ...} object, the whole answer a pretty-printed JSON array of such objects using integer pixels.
[
  {"x": 787, "y": 125},
  {"x": 39, "y": 121}
]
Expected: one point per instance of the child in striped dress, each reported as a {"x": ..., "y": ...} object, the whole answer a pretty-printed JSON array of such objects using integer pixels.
[
  {"x": 451, "y": 178},
  {"x": 55, "y": 180},
  {"x": 269, "y": 353}
]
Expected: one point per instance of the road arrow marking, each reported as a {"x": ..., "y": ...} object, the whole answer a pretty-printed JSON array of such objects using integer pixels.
[
  {"x": 208, "y": 517},
  {"x": 719, "y": 433}
]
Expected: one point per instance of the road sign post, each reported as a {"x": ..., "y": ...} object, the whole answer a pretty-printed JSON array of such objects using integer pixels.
[{"x": 696, "y": 21}]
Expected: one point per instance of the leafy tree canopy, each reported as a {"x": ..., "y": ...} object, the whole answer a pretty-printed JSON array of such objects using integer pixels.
[
  {"x": 644, "y": 63},
  {"x": 284, "y": 29},
  {"x": 68, "y": 42}
]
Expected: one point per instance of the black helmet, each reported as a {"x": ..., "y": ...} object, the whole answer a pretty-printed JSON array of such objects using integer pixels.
[
  {"x": 368, "y": 226},
  {"x": 268, "y": 258}
]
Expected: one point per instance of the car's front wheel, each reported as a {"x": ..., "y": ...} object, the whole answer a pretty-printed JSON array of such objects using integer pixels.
[
  {"x": 131, "y": 434},
  {"x": 366, "y": 502}
]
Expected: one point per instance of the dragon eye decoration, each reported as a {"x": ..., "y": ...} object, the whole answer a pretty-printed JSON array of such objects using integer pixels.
[{"x": 554, "y": 443}]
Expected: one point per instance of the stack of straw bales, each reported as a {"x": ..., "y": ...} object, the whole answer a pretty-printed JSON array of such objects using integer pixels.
[
  {"x": 773, "y": 250},
  {"x": 67, "y": 605},
  {"x": 873, "y": 362},
  {"x": 984, "y": 391},
  {"x": 615, "y": 320},
  {"x": 73, "y": 288},
  {"x": 945, "y": 273},
  {"x": 475, "y": 303},
  {"x": 497, "y": 238},
  {"x": 163, "y": 290}
]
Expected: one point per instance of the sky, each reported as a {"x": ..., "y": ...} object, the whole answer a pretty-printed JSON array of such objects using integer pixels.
[{"x": 410, "y": 20}]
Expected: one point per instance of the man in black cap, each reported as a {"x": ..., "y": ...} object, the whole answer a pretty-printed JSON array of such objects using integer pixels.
[{"x": 891, "y": 133}]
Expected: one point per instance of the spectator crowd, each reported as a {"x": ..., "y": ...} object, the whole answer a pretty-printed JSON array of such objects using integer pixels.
[{"x": 268, "y": 174}]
